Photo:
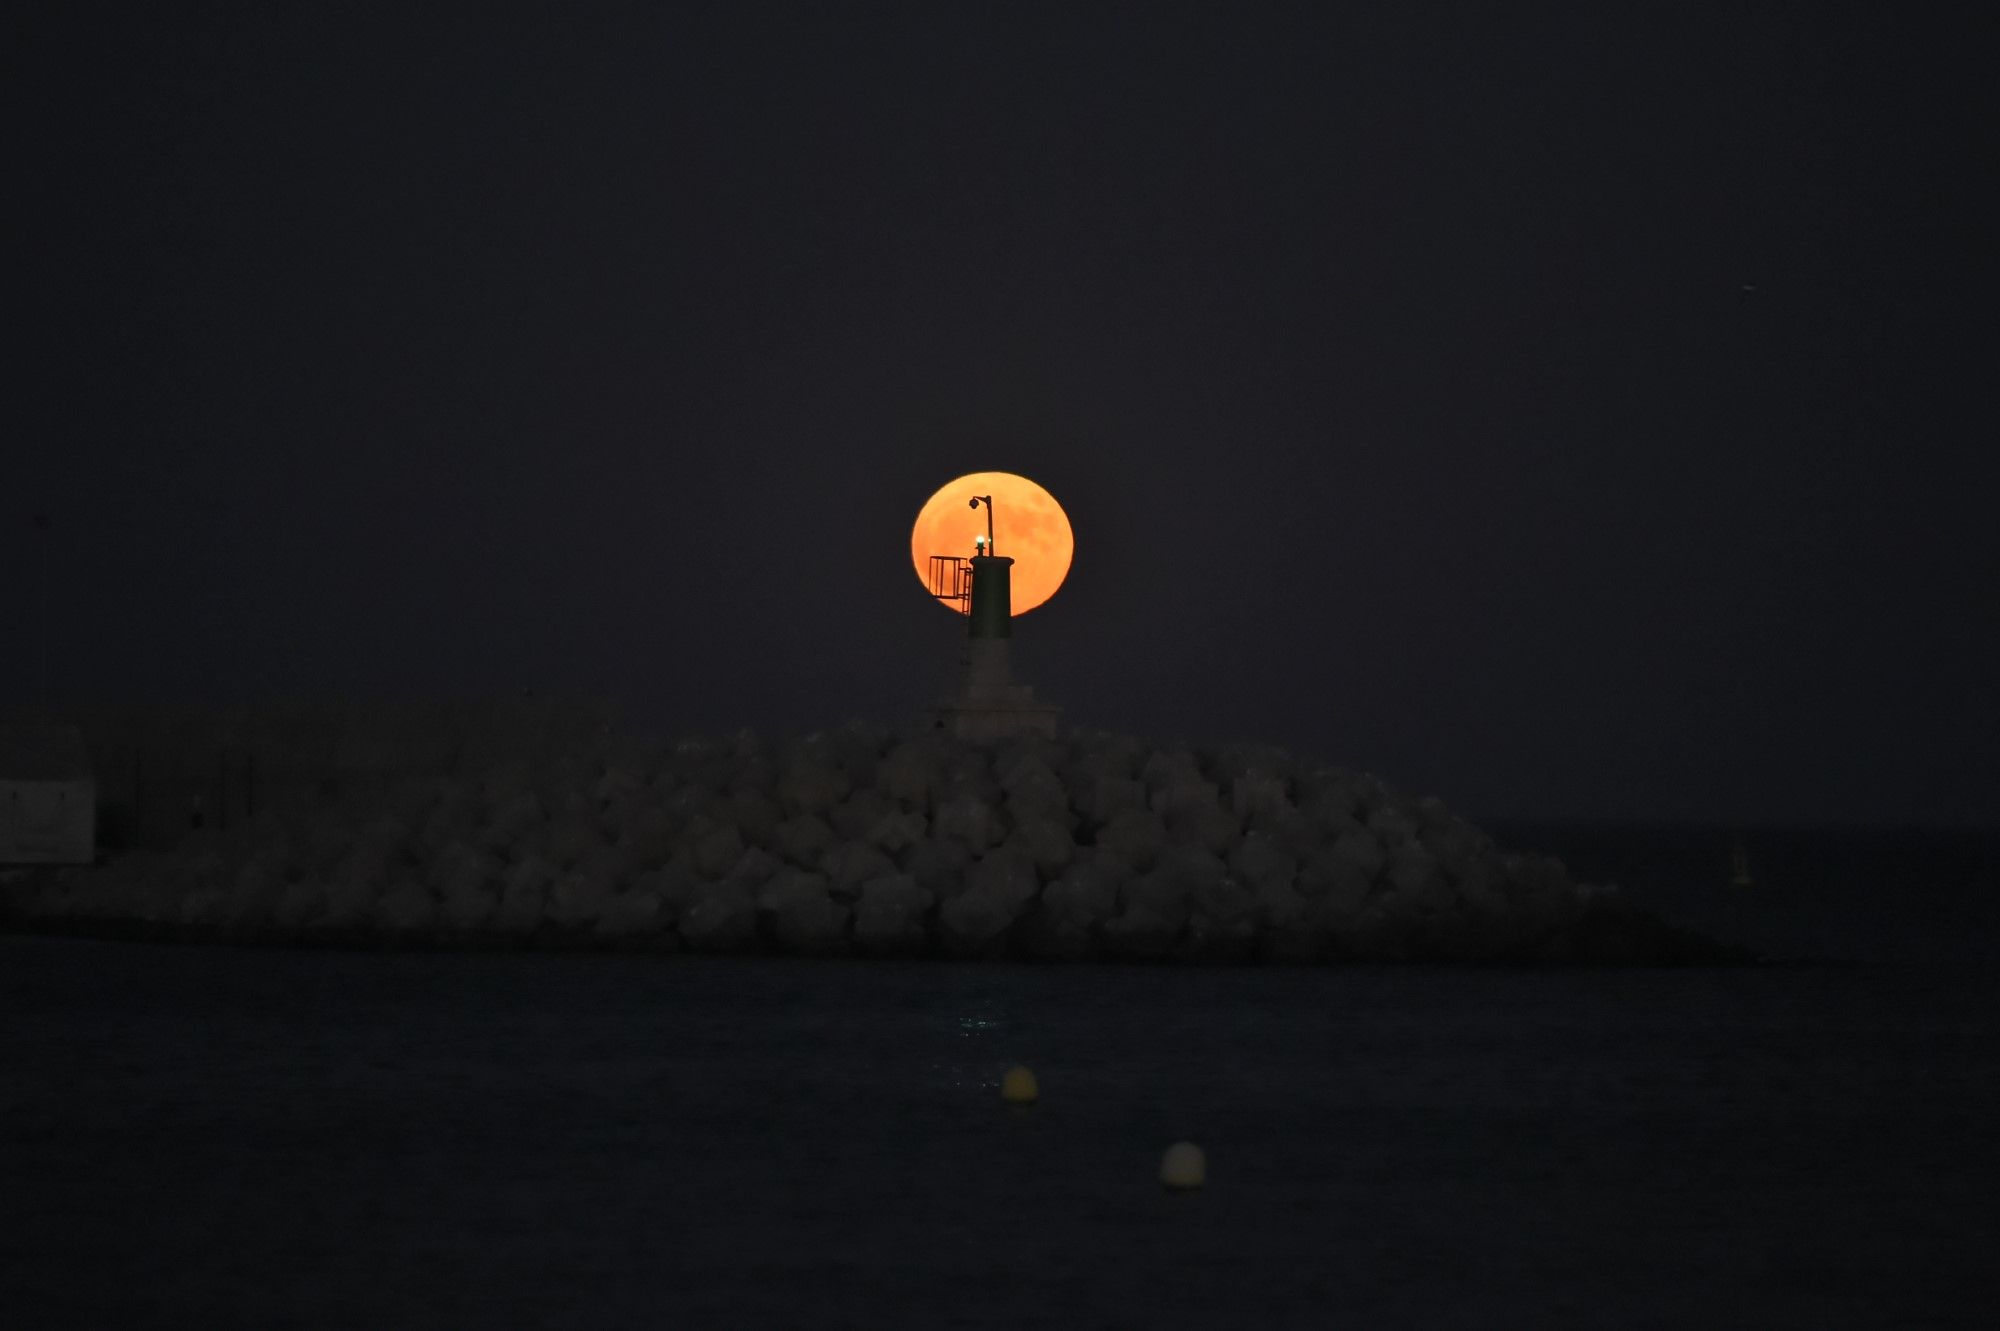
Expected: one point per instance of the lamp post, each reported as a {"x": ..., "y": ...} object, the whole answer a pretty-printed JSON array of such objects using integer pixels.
[{"x": 987, "y": 500}]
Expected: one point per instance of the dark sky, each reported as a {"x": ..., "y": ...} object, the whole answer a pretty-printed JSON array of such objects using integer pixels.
[{"x": 1567, "y": 411}]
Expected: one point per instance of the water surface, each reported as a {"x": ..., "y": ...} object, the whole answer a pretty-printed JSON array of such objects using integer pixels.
[{"x": 195, "y": 1136}]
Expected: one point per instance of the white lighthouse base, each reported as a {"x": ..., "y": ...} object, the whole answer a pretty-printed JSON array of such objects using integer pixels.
[{"x": 989, "y": 704}]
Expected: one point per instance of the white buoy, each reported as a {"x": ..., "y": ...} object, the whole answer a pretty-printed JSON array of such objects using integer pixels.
[
  {"x": 1018, "y": 1086},
  {"x": 1183, "y": 1166}
]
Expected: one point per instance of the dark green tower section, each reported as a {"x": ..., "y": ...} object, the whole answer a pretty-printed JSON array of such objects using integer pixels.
[{"x": 992, "y": 612}]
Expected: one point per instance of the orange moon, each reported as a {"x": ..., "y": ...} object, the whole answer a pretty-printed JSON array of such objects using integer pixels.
[{"x": 1029, "y": 527}]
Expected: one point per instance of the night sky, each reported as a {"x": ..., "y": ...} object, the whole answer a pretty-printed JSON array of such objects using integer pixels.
[{"x": 1568, "y": 412}]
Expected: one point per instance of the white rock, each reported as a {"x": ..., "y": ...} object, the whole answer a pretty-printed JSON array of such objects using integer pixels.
[
  {"x": 1191, "y": 867},
  {"x": 1392, "y": 826},
  {"x": 300, "y": 904},
  {"x": 721, "y": 917},
  {"x": 1045, "y": 842},
  {"x": 468, "y": 906},
  {"x": 1224, "y": 901},
  {"x": 854, "y": 863},
  {"x": 755, "y": 815},
  {"x": 1060, "y": 926},
  {"x": 855, "y": 816},
  {"x": 255, "y": 882},
  {"x": 349, "y": 899},
  {"x": 789, "y": 884},
  {"x": 577, "y": 899},
  {"x": 1328, "y": 804},
  {"x": 810, "y": 788},
  {"x": 1136, "y": 839},
  {"x": 502, "y": 781},
  {"x": 1259, "y": 859},
  {"x": 1287, "y": 827},
  {"x": 688, "y": 800},
  {"x": 532, "y": 873},
  {"x": 522, "y": 908},
  {"x": 202, "y": 905},
  {"x": 457, "y": 866},
  {"x": 972, "y": 923},
  {"x": 610, "y": 866},
  {"x": 965, "y": 767},
  {"x": 1415, "y": 876},
  {"x": 1155, "y": 895},
  {"x": 619, "y": 782},
  {"x": 567, "y": 837},
  {"x": 755, "y": 867},
  {"x": 804, "y": 915},
  {"x": 414, "y": 798},
  {"x": 1290, "y": 930},
  {"x": 1185, "y": 797},
  {"x": 939, "y": 866},
  {"x": 1430, "y": 812},
  {"x": 632, "y": 915},
  {"x": 1166, "y": 768},
  {"x": 458, "y": 812},
  {"x": 1227, "y": 937},
  {"x": 1337, "y": 885},
  {"x": 1279, "y": 905},
  {"x": 516, "y": 814},
  {"x": 1209, "y": 826},
  {"x": 897, "y": 832},
  {"x": 908, "y": 774},
  {"x": 1008, "y": 877},
  {"x": 1361, "y": 850},
  {"x": 406, "y": 908},
  {"x": 716, "y": 853},
  {"x": 966, "y": 818},
  {"x": 804, "y": 840},
  {"x": 363, "y": 864},
  {"x": 1106, "y": 865},
  {"x": 1482, "y": 887},
  {"x": 1110, "y": 795},
  {"x": 1033, "y": 791},
  {"x": 1455, "y": 844},
  {"x": 1094, "y": 756},
  {"x": 897, "y": 891},
  {"x": 648, "y": 837},
  {"x": 890, "y": 914},
  {"x": 1140, "y": 933},
  {"x": 676, "y": 887},
  {"x": 1251, "y": 794},
  {"x": 1082, "y": 893}
]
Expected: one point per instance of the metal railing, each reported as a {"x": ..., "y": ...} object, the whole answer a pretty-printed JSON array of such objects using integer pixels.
[{"x": 951, "y": 579}]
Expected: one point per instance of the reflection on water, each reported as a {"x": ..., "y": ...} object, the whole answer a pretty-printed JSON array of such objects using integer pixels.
[{"x": 335, "y": 1140}]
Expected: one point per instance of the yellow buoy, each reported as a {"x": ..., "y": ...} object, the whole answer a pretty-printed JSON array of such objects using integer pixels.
[
  {"x": 1018, "y": 1087},
  {"x": 1183, "y": 1166}
]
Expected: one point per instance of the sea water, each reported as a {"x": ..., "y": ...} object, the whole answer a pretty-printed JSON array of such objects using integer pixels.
[{"x": 215, "y": 1137}]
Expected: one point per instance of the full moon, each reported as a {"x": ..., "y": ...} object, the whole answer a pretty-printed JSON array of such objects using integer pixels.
[{"x": 1029, "y": 527}]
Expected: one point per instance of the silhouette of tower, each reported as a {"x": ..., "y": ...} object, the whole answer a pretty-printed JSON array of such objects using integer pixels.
[{"x": 989, "y": 703}]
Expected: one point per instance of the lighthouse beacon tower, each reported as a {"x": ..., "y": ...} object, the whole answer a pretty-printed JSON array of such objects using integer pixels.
[{"x": 989, "y": 704}]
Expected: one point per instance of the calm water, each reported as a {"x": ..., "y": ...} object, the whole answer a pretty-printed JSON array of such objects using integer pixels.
[
  {"x": 1917, "y": 896},
  {"x": 218, "y": 1138}
]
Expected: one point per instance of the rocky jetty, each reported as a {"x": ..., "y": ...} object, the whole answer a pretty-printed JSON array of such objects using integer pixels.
[{"x": 859, "y": 842}]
